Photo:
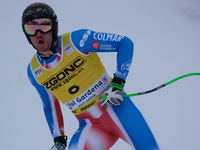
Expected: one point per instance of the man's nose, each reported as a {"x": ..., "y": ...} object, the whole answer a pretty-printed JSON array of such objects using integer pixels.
[{"x": 38, "y": 33}]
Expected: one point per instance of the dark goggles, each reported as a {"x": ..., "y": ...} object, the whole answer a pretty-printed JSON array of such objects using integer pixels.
[{"x": 44, "y": 25}]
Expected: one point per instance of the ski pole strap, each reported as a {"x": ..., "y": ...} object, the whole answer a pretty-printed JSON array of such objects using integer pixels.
[
  {"x": 163, "y": 85},
  {"x": 117, "y": 86}
]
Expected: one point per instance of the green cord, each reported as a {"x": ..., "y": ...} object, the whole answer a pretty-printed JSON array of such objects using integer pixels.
[
  {"x": 104, "y": 97},
  {"x": 183, "y": 76},
  {"x": 163, "y": 85},
  {"x": 117, "y": 86}
]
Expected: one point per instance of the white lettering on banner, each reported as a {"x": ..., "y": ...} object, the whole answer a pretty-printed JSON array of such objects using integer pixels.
[
  {"x": 84, "y": 39},
  {"x": 35, "y": 10},
  {"x": 91, "y": 93},
  {"x": 107, "y": 47},
  {"x": 107, "y": 37}
]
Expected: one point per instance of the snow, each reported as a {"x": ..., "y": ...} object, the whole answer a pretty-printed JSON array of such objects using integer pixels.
[{"x": 166, "y": 36}]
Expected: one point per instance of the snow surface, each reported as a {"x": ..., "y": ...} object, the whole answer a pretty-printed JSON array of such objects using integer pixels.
[{"x": 167, "y": 44}]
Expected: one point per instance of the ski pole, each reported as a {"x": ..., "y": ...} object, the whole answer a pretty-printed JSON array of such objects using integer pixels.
[{"x": 163, "y": 85}]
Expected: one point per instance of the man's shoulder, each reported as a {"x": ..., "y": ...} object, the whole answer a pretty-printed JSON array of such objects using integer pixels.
[
  {"x": 31, "y": 61},
  {"x": 76, "y": 32}
]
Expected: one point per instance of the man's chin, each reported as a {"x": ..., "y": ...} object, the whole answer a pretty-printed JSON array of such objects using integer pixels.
[{"x": 45, "y": 52}]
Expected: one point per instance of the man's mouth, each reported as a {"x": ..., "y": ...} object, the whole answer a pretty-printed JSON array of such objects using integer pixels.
[{"x": 41, "y": 41}]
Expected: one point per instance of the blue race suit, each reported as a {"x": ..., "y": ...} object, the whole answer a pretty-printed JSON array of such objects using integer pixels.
[{"x": 75, "y": 75}]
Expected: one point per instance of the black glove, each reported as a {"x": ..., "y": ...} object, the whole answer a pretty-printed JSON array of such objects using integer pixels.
[
  {"x": 60, "y": 143},
  {"x": 113, "y": 94}
]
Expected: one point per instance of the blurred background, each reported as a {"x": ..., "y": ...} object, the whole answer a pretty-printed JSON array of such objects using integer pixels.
[{"x": 166, "y": 35}]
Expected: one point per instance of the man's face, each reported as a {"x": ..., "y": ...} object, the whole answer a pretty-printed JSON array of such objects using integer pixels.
[
  {"x": 42, "y": 42},
  {"x": 40, "y": 33}
]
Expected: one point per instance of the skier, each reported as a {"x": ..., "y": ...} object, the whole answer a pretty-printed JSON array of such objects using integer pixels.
[{"x": 67, "y": 68}]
